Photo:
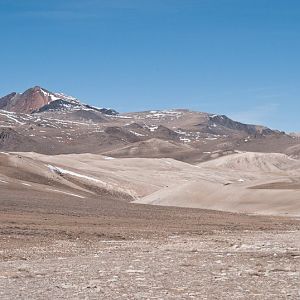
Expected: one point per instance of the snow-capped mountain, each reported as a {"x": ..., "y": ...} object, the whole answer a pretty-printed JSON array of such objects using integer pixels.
[{"x": 38, "y": 99}]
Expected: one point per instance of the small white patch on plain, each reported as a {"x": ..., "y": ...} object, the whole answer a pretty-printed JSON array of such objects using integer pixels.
[
  {"x": 151, "y": 127},
  {"x": 66, "y": 193},
  {"x": 135, "y": 271},
  {"x": 5, "y": 153},
  {"x": 211, "y": 138},
  {"x": 180, "y": 132},
  {"x": 136, "y": 133},
  {"x": 108, "y": 158},
  {"x": 241, "y": 180},
  {"x": 185, "y": 140},
  {"x": 27, "y": 184},
  {"x": 3, "y": 181}
]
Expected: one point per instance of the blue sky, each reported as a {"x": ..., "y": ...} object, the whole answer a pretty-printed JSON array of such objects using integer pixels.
[{"x": 234, "y": 57}]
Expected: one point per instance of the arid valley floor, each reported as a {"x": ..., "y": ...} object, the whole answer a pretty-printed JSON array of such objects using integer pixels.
[{"x": 102, "y": 249}]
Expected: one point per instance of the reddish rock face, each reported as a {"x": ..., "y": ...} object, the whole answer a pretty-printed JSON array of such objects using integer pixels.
[
  {"x": 38, "y": 99},
  {"x": 31, "y": 100}
]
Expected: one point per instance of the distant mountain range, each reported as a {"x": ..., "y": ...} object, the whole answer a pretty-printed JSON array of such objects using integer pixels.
[{"x": 54, "y": 123}]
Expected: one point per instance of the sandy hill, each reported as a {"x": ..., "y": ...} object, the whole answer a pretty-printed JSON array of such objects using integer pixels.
[
  {"x": 244, "y": 182},
  {"x": 28, "y": 172},
  {"x": 254, "y": 162}
]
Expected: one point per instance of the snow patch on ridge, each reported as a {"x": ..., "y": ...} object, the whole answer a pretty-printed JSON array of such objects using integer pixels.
[
  {"x": 61, "y": 171},
  {"x": 111, "y": 187},
  {"x": 8, "y": 115}
]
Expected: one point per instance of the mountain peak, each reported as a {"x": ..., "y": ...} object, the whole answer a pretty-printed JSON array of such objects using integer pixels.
[
  {"x": 37, "y": 87},
  {"x": 28, "y": 101},
  {"x": 39, "y": 99}
]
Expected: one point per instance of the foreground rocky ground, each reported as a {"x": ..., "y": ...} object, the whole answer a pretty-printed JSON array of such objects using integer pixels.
[
  {"x": 218, "y": 266},
  {"x": 105, "y": 249}
]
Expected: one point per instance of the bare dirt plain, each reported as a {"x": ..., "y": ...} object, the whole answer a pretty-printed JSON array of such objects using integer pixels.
[{"x": 65, "y": 247}]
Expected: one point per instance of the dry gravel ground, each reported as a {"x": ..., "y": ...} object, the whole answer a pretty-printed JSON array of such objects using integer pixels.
[{"x": 72, "y": 248}]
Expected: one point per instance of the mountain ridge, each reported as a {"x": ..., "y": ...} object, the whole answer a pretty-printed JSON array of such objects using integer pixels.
[{"x": 54, "y": 123}]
